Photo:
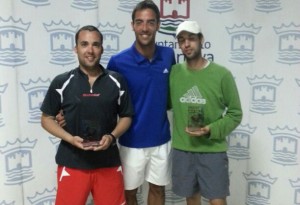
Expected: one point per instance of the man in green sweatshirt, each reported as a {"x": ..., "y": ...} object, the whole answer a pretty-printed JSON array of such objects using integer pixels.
[{"x": 206, "y": 108}]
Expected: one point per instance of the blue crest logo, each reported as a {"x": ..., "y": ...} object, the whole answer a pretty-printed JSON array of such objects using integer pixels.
[
  {"x": 242, "y": 42},
  {"x": 127, "y": 5},
  {"x": 18, "y": 160},
  {"x": 37, "y": 3},
  {"x": 111, "y": 40},
  {"x": 172, "y": 198},
  {"x": 55, "y": 141},
  {"x": 62, "y": 42},
  {"x": 296, "y": 184},
  {"x": 264, "y": 94},
  {"x": 85, "y": 5},
  {"x": 2, "y": 90},
  {"x": 285, "y": 145},
  {"x": 298, "y": 83},
  {"x": 36, "y": 91},
  {"x": 289, "y": 43},
  {"x": 5, "y": 203},
  {"x": 45, "y": 197},
  {"x": 139, "y": 195},
  {"x": 239, "y": 142},
  {"x": 220, "y": 6},
  {"x": 259, "y": 188},
  {"x": 268, "y": 6},
  {"x": 12, "y": 42}
]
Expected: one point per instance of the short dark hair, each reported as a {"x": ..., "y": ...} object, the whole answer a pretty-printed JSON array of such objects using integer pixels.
[
  {"x": 146, "y": 4},
  {"x": 200, "y": 35},
  {"x": 88, "y": 28}
]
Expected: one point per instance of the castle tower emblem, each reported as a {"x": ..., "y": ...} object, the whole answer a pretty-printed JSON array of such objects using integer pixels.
[
  {"x": 172, "y": 13},
  {"x": 62, "y": 42},
  {"x": 242, "y": 42},
  {"x": 18, "y": 161},
  {"x": 264, "y": 90},
  {"x": 289, "y": 43},
  {"x": 111, "y": 40},
  {"x": 36, "y": 91},
  {"x": 12, "y": 42}
]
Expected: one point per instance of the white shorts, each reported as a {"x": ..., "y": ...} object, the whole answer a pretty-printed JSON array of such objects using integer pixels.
[{"x": 152, "y": 164}]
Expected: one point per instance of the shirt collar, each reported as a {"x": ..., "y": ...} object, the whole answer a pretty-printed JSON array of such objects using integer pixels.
[
  {"x": 104, "y": 71},
  {"x": 140, "y": 58}
]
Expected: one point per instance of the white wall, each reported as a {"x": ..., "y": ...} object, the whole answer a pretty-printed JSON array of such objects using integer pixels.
[{"x": 259, "y": 41}]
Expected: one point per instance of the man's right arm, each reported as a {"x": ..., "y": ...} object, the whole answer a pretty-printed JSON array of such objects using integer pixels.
[{"x": 49, "y": 124}]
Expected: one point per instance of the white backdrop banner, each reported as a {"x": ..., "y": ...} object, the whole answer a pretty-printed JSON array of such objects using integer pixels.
[{"x": 258, "y": 40}]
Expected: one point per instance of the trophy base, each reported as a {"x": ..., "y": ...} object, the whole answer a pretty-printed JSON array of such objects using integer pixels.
[
  {"x": 194, "y": 129},
  {"x": 90, "y": 143}
]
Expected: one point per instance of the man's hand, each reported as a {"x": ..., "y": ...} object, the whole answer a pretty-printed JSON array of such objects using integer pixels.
[
  {"x": 103, "y": 144},
  {"x": 199, "y": 132},
  {"x": 78, "y": 142},
  {"x": 60, "y": 119}
]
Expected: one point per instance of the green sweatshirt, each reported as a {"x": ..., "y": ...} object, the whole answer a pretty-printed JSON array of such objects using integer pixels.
[{"x": 209, "y": 94}]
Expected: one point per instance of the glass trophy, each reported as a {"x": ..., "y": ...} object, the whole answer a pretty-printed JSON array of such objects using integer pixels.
[
  {"x": 90, "y": 133},
  {"x": 195, "y": 118}
]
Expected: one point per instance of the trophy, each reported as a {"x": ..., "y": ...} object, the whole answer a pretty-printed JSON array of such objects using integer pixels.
[
  {"x": 90, "y": 133},
  {"x": 195, "y": 118}
]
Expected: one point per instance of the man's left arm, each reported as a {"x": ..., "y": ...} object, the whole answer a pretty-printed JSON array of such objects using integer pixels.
[
  {"x": 111, "y": 138},
  {"x": 233, "y": 114}
]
